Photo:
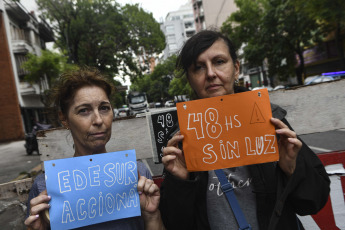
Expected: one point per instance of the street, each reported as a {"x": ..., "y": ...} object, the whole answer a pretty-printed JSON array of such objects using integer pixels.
[
  {"x": 326, "y": 141},
  {"x": 14, "y": 159}
]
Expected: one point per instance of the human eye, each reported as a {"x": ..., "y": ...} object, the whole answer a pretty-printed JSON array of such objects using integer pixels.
[
  {"x": 220, "y": 61},
  {"x": 83, "y": 111},
  {"x": 198, "y": 67},
  {"x": 105, "y": 108}
]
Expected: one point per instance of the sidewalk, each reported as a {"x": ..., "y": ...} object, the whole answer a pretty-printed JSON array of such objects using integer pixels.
[{"x": 14, "y": 161}]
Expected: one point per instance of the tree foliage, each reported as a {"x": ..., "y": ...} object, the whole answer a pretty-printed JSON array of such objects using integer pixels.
[
  {"x": 331, "y": 18},
  {"x": 156, "y": 84},
  {"x": 49, "y": 65},
  {"x": 275, "y": 30},
  {"x": 102, "y": 34}
]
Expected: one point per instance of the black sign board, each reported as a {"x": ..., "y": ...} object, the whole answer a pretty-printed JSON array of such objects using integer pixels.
[{"x": 160, "y": 123}]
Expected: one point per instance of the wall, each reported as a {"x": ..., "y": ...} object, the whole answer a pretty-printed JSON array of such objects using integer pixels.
[
  {"x": 10, "y": 122},
  {"x": 314, "y": 108}
]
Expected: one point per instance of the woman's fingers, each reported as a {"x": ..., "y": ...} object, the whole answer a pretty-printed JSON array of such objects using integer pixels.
[
  {"x": 141, "y": 183},
  {"x": 286, "y": 132},
  {"x": 31, "y": 219},
  {"x": 146, "y": 185},
  {"x": 278, "y": 123},
  {"x": 39, "y": 203},
  {"x": 175, "y": 139},
  {"x": 170, "y": 150}
]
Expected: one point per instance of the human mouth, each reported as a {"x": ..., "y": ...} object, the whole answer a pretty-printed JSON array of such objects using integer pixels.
[
  {"x": 213, "y": 87},
  {"x": 99, "y": 134}
]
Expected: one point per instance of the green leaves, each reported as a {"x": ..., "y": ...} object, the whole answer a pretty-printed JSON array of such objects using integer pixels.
[
  {"x": 162, "y": 83},
  {"x": 276, "y": 30},
  {"x": 101, "y": 34},
  {"x": 49, "y": 64}
]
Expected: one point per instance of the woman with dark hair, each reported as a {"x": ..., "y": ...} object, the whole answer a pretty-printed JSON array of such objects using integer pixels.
[
  {"x": 83, "y": 100},
  {"x": 268, "y": 195}
]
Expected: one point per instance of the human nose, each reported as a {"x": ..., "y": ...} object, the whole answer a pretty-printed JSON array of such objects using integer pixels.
[
  {"x": 210, "y": 71},
  {"x": 97, "y": 118}
]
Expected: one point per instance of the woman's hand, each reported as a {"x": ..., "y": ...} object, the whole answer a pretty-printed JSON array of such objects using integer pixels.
[
  {"x": 288, "y": 145},
  {"x": 173, "y": 158},
  {"x": 38, "y": 205},
  {"x": 149, "y": 195}
]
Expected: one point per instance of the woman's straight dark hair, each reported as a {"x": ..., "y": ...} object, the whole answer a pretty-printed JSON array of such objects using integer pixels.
[{"x": 197, "y": 44}]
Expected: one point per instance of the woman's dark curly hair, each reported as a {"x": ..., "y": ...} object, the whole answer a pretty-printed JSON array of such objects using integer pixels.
[{"x": 68, "y": 84}]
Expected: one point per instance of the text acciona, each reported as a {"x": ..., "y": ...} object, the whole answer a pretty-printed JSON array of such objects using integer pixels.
[
  {"x": 208, "y": 126},
  {"x": 96, "y": 177}
]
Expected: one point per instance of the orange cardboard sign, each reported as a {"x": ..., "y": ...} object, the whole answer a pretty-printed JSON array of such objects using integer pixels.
[{"x": 228, "y": 131}]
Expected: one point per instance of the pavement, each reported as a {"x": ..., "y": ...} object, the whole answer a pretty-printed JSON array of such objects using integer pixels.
[{"x": 15, "y": 163}]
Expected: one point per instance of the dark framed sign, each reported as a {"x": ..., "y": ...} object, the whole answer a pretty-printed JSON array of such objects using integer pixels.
[{"x": 160, "y": 122}]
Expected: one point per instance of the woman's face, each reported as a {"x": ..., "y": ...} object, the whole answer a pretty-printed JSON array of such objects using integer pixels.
[
  {"x": 214, "y": 72},
  {"x": 90, "y": 118}
]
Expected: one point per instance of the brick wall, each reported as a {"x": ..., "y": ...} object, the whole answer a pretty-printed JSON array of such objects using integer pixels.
[{"x": 10, "y": 118}]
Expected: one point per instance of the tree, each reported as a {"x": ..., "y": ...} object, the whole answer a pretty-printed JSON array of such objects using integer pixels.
[
  {"x": 101, "y": 34},
  {"x": 276, "y": 30},
  {"x": 180, "y": 86},
  {"x": 147, "y": 38},
  {"x": 330, "y": 16},
  {"x": 156, "y": 84},
  {"x": 49, "y": 65}
]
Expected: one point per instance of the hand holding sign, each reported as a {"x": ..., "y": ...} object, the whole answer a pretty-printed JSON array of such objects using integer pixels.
[
  {"x": 174, "y": 159},
  {"x": 289, "y": 147},
  {"x": 92, "y": 189},
  {"x": 228, "y": 131},
  {"x": 148, "y": 194},
  {"x": 36, "y": 219}
]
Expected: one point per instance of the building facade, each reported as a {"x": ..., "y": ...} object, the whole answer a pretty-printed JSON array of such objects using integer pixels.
[
  {"x": 212, "y": 13},
  {"x": 178, "y": 27},
  {"x": 24, "y": 33}
]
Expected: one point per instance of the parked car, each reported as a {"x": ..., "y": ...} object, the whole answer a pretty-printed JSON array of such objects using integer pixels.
[
  {"x": 279, "y": 87},
  {"x": 158, "y": 104},
  {"x": 319, "y": 78},
  {"x": 123, "y": 111},
  {"x": 169, "y": 103},
  {"x": 269, "y": 88}
]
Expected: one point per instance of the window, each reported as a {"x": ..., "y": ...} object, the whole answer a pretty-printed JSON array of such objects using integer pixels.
[
  {"x": 190, "y": 33},
  {"x": 175, "y": 18},
  {"x": 170, "y": 38},
  {"x": 188, "y": 16},
  {"x": 170, "y": 29},
  {"x": 172, "y": 46},
  {"x": 188, "y": 24},
  {"x": 20, "y": 59}
]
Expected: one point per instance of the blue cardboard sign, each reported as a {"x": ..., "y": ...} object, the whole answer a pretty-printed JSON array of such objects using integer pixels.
[{"x": 92, "y": 189}]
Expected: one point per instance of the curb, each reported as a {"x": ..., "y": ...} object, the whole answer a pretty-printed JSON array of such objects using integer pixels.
[{"x": 32, "y": 173}]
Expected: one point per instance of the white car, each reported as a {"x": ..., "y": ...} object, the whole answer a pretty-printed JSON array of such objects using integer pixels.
[
  {"x": 169, "y": 103},
  {"x": 269, "y": 88},
  {"x": 318, "y": 79}
]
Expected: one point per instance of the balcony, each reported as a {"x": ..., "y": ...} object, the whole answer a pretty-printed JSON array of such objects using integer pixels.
[
  {"x": 21, "y": 46},
  {"x": 46, "y": 33},
  {"x": 26, "y": 88},
  {"x": 17, "y": 11}
]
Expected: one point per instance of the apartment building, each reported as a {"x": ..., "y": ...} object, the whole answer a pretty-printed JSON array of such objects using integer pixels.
[
  {"x": 21, "y": 32},
  {"x": 212, "y": 13},
  {"x": 178, "y": 27}
]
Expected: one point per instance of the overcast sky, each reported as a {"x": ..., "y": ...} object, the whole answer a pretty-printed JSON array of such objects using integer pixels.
[{"x": 159, "y": 8}]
